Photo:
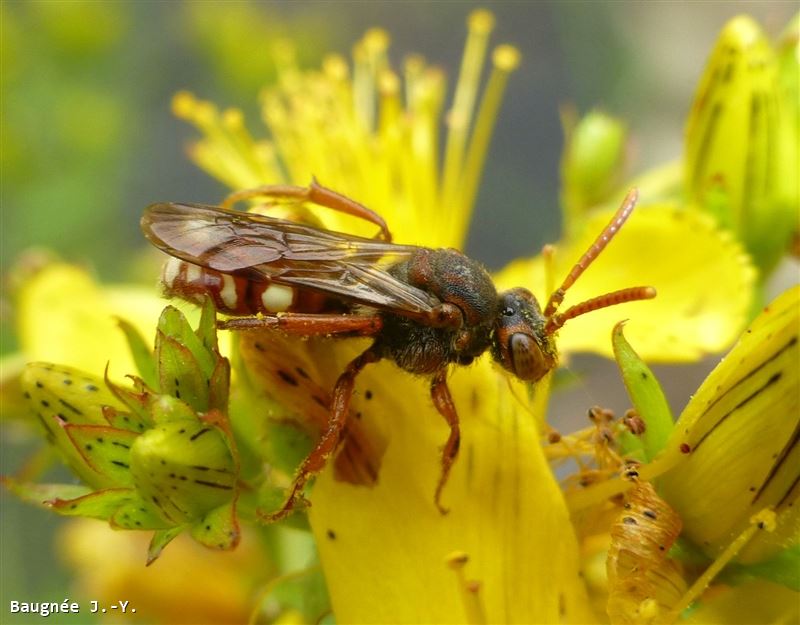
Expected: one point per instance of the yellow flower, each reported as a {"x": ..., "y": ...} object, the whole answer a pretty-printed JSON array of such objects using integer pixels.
[
  {"x": 386, "y": 551},
  {"x": 509, "y": 550}
]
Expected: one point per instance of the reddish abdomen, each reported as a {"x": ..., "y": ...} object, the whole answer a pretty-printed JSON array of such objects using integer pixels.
[{"x": 238, "y": 296}]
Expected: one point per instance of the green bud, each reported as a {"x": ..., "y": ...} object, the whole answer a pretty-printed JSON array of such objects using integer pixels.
[
  {"x": 738, "y": 163},
  {"x": 593, "y": 161},
  {"x": 63, "y": 399},
  {"x": 736, "y": 441},
  {"x": 185, "y": 468}
]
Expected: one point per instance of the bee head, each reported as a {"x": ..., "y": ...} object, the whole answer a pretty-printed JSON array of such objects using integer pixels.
[{"x": 520, "y": 342}]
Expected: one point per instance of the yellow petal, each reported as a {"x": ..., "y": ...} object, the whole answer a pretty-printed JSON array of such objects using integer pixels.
[
  {"x": 66, "y": 317},
  {"x": 384, "y": 549},
  {"x": 703, "y": 279}
]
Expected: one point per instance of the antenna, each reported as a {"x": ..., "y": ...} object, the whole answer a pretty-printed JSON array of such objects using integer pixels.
[{"x": 555, "y": 319}]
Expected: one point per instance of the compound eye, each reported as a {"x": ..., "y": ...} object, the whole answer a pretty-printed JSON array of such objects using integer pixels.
[{"x": 526, "y": 357}]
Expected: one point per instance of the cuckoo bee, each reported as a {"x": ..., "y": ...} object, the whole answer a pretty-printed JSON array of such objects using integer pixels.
[{"x": 425, "y": 309}]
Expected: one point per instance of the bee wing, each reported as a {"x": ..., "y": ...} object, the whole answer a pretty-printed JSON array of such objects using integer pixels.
[{"x": 286, "y": 252}]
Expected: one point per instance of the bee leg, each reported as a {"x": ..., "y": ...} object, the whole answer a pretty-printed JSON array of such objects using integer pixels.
[
  {"x": 298, "y": 324},
  {"x": 318, "y": 458},
  {"x": 444, "y": 404},
  {"x": 316, "y": 194}
]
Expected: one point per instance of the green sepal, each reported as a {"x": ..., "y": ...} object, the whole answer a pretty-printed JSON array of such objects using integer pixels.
[
  {"x": 175, "y": 326},
  {"x": 101, "y": 504},
  {"x": 135, "y": 400},
  {"x": 42, "y": 494},
  {"x": 137, "y": 514},
  {"x": 123, "y": 508},
  {"x": 105, "y": 449},
  {"x": 219, "y": 386},
  {"x": 161, "y": 538},
  {"x": 180, "y": 374},
  {"x": 645, "y": 393},
  {"x": 169, "y": 409},
  {"x": 207, "y": 328},
  {"x": 124, "y": 420},
  {"x": 141, "y": 351},
  {"x": 219, "y": 529}
]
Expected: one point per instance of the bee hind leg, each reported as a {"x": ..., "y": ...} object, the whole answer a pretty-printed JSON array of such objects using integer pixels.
[
  {"x": 318, "y": 458},
  {"x": 444, "y": 404},
  {"x": 300, "y": 324},
  {"x": 316, "y": 194}
]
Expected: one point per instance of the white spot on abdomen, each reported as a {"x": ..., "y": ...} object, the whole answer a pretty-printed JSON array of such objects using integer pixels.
[
  {"x": 193, "y": 273},
  {"x": 277, "y": 298},
  {"x": 228, "y": 291},
  {"x": 171, "y": 270}
]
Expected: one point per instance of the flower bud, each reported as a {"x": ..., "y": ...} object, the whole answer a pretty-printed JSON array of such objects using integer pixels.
[
  {"x": 185, "y": 468},
  {"x": 738, "y": 439},
  {"x": 593, "y": 160},
  {"x": 741, "y": 154}
]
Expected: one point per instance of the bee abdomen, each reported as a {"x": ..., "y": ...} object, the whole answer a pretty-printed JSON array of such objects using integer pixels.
[{"x": 234, "y": 295}]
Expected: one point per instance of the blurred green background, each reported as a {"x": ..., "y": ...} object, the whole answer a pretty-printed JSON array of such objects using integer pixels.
[{"x": 88, "y": 138}]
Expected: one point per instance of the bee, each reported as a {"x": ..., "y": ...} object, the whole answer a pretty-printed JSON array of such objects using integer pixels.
[{"x": 425, "y": 309}]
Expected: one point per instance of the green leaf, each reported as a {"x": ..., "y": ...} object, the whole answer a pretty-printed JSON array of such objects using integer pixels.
[
  {"x": 782, "y": 568},
  {"x": 645, "y": 393},
  {"x": 141, "y": 351}
]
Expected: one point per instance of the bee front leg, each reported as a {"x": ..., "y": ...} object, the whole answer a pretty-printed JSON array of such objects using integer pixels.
[
  {"x": 318, "y": 458},
  {"x": 444, "y": 404}
]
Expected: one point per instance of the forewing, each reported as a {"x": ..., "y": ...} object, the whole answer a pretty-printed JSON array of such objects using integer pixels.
[{"x": 285, "y": 252}]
